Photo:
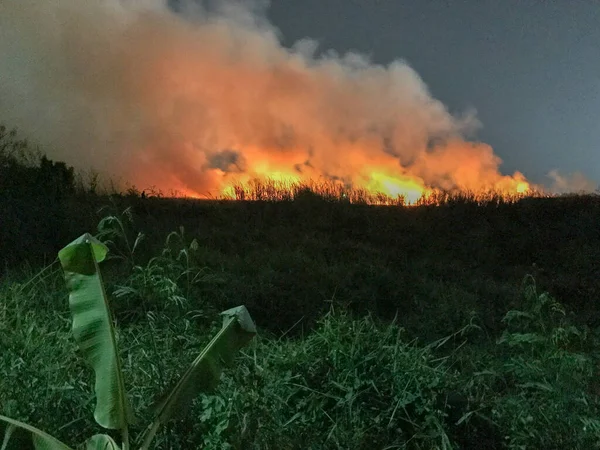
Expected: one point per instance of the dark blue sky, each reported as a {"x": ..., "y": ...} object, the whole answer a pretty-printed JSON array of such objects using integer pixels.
[{"x": 530, "y": 68}]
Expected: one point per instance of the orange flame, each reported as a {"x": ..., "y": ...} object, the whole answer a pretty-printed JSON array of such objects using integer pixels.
[
  {"x": 410, "y": 188},
  {"x": 201, "y": 105}
]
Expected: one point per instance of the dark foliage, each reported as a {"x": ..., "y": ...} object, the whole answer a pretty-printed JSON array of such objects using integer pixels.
[
  {"x": 33, "y": 202},
  {"x": 290, "y": 259}
]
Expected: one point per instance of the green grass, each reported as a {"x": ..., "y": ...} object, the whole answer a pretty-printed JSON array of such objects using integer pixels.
[{"x": 351, "y": 302}]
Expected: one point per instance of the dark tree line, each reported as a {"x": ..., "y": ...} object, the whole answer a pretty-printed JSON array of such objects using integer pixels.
[{"x": 33, "y": 195}]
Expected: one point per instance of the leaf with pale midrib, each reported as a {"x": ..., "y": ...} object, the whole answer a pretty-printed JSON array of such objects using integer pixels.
[
  {"x": 204, "y": 373},
  {"x": 93, "y": 328}
]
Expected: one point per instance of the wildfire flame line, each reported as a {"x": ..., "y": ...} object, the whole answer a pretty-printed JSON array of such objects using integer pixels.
[
  {"x": 410, "y": 193},
  {"x": 198, "y": 102}
]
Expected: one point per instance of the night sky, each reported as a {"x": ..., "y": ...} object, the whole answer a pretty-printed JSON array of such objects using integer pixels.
[{"x": 531, "y": 69}]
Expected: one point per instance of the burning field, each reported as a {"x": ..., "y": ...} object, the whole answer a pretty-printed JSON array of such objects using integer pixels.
[{"x": 203, "y": 102}]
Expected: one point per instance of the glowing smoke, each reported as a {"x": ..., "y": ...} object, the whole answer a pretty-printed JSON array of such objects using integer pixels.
[{"x": 138, "y": 91}]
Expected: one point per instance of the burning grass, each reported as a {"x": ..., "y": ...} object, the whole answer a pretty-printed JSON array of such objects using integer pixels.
[{"x": 334, "y": 191}]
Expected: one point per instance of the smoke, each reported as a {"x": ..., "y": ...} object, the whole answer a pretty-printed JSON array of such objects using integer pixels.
[
  {"x": 192, "y": 101},
  {"x": 575, "y": 182}
]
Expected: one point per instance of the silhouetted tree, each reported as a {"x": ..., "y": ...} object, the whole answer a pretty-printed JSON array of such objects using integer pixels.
[{"x": 33, "y": 188}]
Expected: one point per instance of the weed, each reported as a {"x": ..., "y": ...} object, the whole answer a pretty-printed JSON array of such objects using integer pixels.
[{"x": 97, "y": 340}]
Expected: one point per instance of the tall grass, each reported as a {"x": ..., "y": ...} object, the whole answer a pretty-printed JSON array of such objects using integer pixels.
[
  {"x": 352, "y": 381},
  {"x": 336, "y": 191}
]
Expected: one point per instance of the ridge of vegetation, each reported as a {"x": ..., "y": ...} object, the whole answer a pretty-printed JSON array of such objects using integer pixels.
[{"x": 464, "y": 325}]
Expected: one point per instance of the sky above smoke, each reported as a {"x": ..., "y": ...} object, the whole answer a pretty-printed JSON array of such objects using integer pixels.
[{"x": 196, "y": 99}]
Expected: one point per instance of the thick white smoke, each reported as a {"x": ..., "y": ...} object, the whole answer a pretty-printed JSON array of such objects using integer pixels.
[{"x": 187, "y": 102}]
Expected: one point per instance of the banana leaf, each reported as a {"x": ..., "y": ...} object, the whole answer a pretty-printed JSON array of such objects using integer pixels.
[
  {"x": 204, "y": 373},
  {"x": 101, "y": 442},
  {"x": 19, "y": 436},
  {"x": 93, "y": 328}
]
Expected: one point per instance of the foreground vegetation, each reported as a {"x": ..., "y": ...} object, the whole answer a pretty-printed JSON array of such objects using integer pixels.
[
  {"x": 345, "y": 380},
  {"x": 379, "y": 326},
  {"x": 95, "y": 334}
]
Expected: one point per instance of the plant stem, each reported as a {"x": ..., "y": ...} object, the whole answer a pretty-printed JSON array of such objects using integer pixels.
[
  {"x": 125, "y": 438},
  {"x": 39, "y": 274},
  {"x": 149, "y": 435}
]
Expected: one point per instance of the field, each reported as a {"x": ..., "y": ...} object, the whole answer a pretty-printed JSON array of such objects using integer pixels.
[
  {"x": 353, "y": 305},
  {"x": 461, "y": 325}
]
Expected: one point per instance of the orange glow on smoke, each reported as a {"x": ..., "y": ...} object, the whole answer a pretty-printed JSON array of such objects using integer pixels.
[
  {"x": 205, "y": 106},
  {"x": 375, "y": 185},
  {"x": 373, "y": 177}
]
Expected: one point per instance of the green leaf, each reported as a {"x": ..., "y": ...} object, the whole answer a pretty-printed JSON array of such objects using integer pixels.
[
  {"x": 93, "y": 328},
  {"x": 19, "y": 435},
  {"x": 101, "y": 442},
  {"x": 68, "y": 255},
  {"x": 205, "y": 372}
]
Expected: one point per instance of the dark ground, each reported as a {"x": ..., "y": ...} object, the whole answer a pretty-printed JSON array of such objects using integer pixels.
[{"x": 288, "y": 260}]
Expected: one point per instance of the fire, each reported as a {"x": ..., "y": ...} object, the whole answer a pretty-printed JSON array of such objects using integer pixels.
[
  {"x": 410, "y": 188},
  {"x": 522, "y": 187},
  {"x": 279, "y": 176},
  {"x": 217, "y": 106},
  {"x": 365, "y": 174},
  {"x": 376, "y": 186}
]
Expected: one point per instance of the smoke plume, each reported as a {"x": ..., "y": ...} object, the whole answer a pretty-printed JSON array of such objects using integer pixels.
[
  {"x": 571, "y": 183},
  {"x": 193, "y": 101}
]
